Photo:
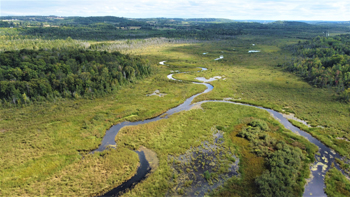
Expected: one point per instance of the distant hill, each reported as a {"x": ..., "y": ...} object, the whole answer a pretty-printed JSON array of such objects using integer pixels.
[
  {"x": 107, "y": 19},
  {"x": 122, "y": 20},
  {"x": 289, "y": 23}
]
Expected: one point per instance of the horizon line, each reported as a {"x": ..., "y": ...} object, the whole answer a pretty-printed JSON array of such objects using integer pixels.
[{"x": 173, "y": 18}]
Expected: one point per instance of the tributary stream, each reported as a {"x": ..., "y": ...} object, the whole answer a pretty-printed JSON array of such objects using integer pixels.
[{"x": 315, "y": 186}]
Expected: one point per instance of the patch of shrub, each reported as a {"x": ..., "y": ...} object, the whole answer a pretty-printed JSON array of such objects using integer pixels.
[
  {"x": 207, "y": 175},
  {"x": 259, "y": 123}
]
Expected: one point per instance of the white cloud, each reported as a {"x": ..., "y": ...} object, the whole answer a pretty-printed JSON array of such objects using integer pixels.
[{"x": 232, "y": 9}]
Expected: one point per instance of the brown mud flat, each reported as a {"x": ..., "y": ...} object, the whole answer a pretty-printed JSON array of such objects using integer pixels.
[
  {"x": 151, "y": 157},
  {"x": 197, "y": 106}
]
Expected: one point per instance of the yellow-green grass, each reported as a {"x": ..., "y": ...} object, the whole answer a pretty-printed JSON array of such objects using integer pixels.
[
  {"x": 181, "y": 131},
  {"x": 336, "y": 183},
  {"x": 343, "y": 165},
  {"x": 91, "y": 175},
  {"x": 254, "y": 78},
  {"x": 50, "y": 136},
  {"x": 185, "y": 77},
  {"x": 35, "y": 133},
  {"x": 40, "y": 142}
]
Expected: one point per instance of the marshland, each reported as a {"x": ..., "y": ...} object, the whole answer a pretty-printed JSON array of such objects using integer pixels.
[{"x": 61, "y": 96}]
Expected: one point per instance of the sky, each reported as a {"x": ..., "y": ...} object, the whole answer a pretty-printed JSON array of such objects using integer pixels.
[{"x": 327, "y": 10}]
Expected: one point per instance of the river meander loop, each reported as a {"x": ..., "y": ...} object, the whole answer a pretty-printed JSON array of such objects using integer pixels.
[{"x": 315, "y": 186}]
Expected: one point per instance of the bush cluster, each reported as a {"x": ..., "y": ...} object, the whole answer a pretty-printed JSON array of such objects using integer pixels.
[{"x": 282, "y": 160}]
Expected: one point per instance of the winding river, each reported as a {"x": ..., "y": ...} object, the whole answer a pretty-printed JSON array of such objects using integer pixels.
[{"x": 315, "y": 186}]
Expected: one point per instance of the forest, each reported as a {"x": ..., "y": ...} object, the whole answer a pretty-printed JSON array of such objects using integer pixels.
[
  {"x": 30, "y": 75},
  {"x": 111, "y": 28},
  {"x": 201, "y": 30},
  {"x": 324, "y": 62}
]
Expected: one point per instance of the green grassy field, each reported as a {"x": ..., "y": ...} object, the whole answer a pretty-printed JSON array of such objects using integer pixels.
[
  {"x": 42, "y": 145},
  {"x": 174, "y": 136},
  {"x": 255, "y": 79}
]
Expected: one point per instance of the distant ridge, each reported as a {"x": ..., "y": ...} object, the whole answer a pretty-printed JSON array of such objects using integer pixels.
[{"x": 115, "y": 19}]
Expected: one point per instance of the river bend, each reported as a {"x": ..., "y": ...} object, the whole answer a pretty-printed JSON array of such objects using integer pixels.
[{"x": 314, "y": 187}]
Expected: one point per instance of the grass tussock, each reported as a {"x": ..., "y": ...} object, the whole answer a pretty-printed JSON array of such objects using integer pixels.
[{"x": 336, "y": 183}]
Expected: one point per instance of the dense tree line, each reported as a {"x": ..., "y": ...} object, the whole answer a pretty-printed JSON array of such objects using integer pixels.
[
  {"x": 29, "y": 75},
  {"x": 23, "y": 21},
  {"x": 123, "y": 22},
  {"x": 111, "y": 28},
  {"x": 4, "y": 24},
  {"x": 96, "y": 29},
  {"x": 107, "y": 31},
  {"x": 324, "y": 62}
]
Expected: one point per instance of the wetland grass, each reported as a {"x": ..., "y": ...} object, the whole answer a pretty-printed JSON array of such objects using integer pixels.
[
  {"x": 256, "y": 79},
  {"x": 336, "y": 183},
  {"x": 51, "y": 137},
  {"x": 43, "y": 143},
  {"x": 177, "y": 134}
]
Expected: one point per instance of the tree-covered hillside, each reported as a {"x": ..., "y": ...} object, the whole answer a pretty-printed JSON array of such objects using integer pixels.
[{"x": 112, "y": 28}]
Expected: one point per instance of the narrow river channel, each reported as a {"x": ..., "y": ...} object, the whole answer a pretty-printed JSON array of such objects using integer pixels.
[{"x": 315, "y": 186}]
